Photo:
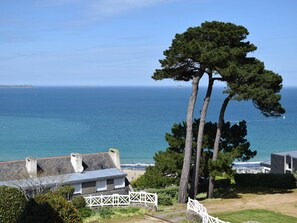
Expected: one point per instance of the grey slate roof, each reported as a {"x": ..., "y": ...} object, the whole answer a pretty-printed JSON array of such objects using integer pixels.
[
  {"x": 290, "y": 153},
  {"x": 14, "y": 170},
  {"x": 70, "y": 178}
]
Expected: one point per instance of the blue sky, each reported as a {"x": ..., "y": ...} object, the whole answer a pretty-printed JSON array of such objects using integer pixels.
[{"x": 119, "y": 42}]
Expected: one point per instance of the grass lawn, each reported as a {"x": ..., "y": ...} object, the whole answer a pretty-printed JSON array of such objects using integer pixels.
[{"x": 257, "y": 215}]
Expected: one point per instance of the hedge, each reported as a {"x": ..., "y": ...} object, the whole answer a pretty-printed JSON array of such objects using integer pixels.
[
  {"x": 50, "y": 208},
  {"x": 270, "y": 180},
  {"x": 221, "y": 183},
  {"x": 12, "y": 204}
]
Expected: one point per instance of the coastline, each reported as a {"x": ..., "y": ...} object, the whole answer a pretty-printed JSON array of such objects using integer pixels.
[{"x": 137, "y": 169}]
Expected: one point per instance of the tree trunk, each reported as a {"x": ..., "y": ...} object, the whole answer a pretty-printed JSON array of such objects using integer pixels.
[
  {"x": 217, "y": 142},
  {"x": 184, "y": 179},
  {"x": 195, "y": 180}
]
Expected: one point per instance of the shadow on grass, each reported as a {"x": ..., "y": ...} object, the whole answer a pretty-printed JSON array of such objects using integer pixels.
[{"x": 263, "y": 191}]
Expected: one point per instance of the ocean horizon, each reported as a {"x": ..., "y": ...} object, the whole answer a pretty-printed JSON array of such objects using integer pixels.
[{"x": 54, "y": 121}]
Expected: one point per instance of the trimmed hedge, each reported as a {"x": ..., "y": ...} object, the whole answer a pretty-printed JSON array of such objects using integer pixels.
[
  {"x": 12, "y": 204},
  {"x": 270, "y": 180}
]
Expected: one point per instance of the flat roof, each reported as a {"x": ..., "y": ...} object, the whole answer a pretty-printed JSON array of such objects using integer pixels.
[
  {"x": 290, "y": 153},
  {"x": 65, "y": 179}
]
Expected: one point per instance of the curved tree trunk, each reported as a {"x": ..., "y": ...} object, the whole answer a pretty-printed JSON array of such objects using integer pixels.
[
  {"x": 184, "y": 179},
  {"x": 217, "y": 142},
  {"x": 195, "y": 180}
]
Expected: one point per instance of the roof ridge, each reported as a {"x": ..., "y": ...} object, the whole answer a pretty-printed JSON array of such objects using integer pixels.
[{"x": 50, "y": 157}]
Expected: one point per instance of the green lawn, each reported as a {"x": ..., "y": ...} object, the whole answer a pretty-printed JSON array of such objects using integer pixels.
[{"x": 257, "y": 215}]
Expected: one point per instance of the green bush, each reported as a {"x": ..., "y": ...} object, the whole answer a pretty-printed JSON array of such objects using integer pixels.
[
  {"x": 84, "y": 212},
  {"x": 105, "y": 212},
  {"x": 78, "y": 202},
  {"x": 164, "y": 199},
  {"x": 65, "y": 191},
  {"x": 171, "y": 191},
  {"x": 128, "y": 210},
  {"x": 270, "y": 180},
  {"x": 152, "y": 178},
  {"x": 218, "y": 184},
  {"x": 222, "y": 183},
  {"x": 12, "y": 204},
  {"x": 48, "y": 208}
]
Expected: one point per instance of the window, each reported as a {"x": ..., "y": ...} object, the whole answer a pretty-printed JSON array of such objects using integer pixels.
[
  {"x": 288, "y": 165},
  {"x": 119, "y": 182},
  {"x": 77, "y": 188},
  {"x": 101, "y": 185}
]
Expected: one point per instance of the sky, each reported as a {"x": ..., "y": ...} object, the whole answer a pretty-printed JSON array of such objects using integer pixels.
[{"x": 120, "y": 42}]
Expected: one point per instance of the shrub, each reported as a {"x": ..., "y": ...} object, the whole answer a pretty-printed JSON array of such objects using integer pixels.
[
  {"x": 84, "y": 212},
  {"x": 280, "y": 181},
  {"x": 12, "y": 203},
  {"x": 171, "y": 191},
  {"x": 222, "y": 183},
  {"x": 48, "y": 208},
  {"x": 65, "y": 191},
  {"x": 128, "y": 210},
  {"x": 105, "y": 212},
  {"x": 164, "y": 199},
  {"x": 152, "y": 178},
  {"x": 78, "y": 202}
]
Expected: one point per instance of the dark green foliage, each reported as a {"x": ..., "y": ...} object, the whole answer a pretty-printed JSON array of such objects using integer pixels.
[
  {"x": 171, "y": 191},
  {"x": 78, "y": 202},
  {"x": 281, "y": 181},
  {"x": 50, "y": 208},
  {"x": 164, "y": 199},
  {"x": 105, "y": 212},
  {"x": 65, "y": 191},
  {"x": 128, "y": 210},
  {"x": 12, "y": 204},
  {"x": 84, "y": 212},
  {"x": 219, "y": 184},
  {"x": 152, "y": 178},
  {"x": 222, "y": 183},
  {"x": 168, "y": 164},
  {"x": 210, "y": 46}
]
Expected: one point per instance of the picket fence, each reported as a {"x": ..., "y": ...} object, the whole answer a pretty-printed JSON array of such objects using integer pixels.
[
  {"x": 122, "y": 200},
  {"x": 194, "y": 205}
]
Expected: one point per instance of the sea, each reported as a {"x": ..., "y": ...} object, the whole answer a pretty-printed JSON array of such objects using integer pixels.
[{"x": 53, "y": 121}]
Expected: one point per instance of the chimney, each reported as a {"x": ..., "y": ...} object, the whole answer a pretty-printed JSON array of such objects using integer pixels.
[
  {"x": 115, "y": 156},
  {"x": 31, "y": 165},
  {"x": 76, "y": 161}
]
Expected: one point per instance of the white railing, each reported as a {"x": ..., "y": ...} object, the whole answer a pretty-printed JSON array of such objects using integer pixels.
[
  {"x": 122, "y": 200},
  {"x": 194, "y": 205}
]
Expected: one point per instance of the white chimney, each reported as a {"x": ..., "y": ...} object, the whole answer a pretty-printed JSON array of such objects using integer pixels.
[
  {"x": 76, "y": 161},
  {"x": 31, "y": 165},
  {"x": 115, "y": 156}
]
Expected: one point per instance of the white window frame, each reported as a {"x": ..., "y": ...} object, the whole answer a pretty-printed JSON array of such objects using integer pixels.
[
  {"x": 77, "y": 188},
  {"x": 286, "y": 165},
  {"x": 119, "y": 182},
  {"x": 101, "y": 185}
]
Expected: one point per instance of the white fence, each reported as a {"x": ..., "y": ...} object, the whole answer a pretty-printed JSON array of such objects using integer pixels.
[
  {"x": 194, "y": 205},
  {"x": 122, "y": 200}
]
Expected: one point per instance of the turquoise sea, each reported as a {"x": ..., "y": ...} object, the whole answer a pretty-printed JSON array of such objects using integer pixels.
[{"x": 51, "y": 121}]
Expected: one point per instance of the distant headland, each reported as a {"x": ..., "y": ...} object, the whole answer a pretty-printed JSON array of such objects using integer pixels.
[{"x": 16, "y": 86}]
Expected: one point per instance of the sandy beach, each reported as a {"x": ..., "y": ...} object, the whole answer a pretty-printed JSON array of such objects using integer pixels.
[{"x": 133, "y": 174}]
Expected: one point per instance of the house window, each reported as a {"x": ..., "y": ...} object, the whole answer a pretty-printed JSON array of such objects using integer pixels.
[
  {"x": 101, "y": 185},
  {"x": 77, "y": 188},
  {"x": 119, "y": 182},
  {"x": 288, "y": 163}
]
